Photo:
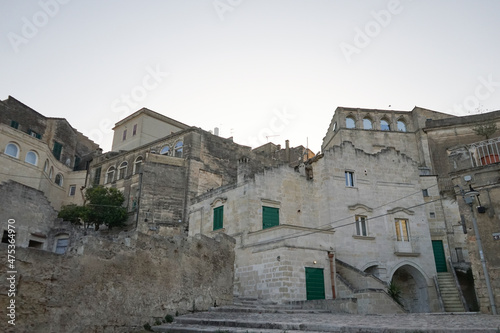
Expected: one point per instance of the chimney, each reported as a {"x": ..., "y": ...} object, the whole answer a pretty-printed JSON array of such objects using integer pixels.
[
  {"x": 216, "y": 131},
  {"x": 287, "y": 150},
  {"x": 243, "y": 170}
]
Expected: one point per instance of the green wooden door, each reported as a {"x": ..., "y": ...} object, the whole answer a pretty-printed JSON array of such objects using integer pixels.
[
  {"x": 315, "y": 283},
  {"x": 439, "y": 257}
]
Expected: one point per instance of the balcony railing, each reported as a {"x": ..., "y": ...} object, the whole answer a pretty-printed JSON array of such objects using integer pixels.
[
  {"x": 409, "y": 248},
  {"x": 485, "y": 152}
]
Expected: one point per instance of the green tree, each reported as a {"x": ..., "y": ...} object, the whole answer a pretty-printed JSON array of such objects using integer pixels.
[{"x": 103, "y": 205}]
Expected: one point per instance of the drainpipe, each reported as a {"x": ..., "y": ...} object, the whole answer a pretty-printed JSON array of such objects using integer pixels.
[{"x": 332, "y": 273}]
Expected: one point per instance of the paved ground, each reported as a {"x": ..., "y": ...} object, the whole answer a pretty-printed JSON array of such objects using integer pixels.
[{"x": 220, "y": 321}]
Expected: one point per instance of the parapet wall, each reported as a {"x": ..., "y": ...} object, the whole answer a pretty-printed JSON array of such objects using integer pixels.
[{"x": 111, "y": 286}]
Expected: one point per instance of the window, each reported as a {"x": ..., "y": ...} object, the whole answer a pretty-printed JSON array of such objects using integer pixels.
[
  {"x": 77, "y": 163},
  {"x": 134, "y": 131},
  {"x": 59, "y": 179},
  {"x": 62, "y": 245},
  {"x": 5, "y": 237},
  {"x": 51, "y": 172},
  {"x": 31, "y": 158},
  {"x": 12, "y": 150},
  {"x": 218, "y": 217},
  {"x": 110, "y": 174},
  {"x": 432, "y": 215},
  {"x": 122, "y": 170},
  {"x": 270, "y": 217},
  {"x": 165, "y": 150},
  {"x": 401, "y": 126},
  {"x": 367, "y": 123},
  {"x": 178, "y": 149},
  {"x": 350, "y": 123},
  {"x": 384, "y": 125},
  {"x": 35, "y": 244},
  {"x": 137, "y": 165},
  {"x": 361, "y": 229},
  {"x": 425, "y": 192},
  {"x": 402, "y": 230},
  {"x": 97, "y": 176},
  {"x": 46, "y": 166},
  {"x": 124, "y": 135},
  {"x": 349, "y": 178},
  {"x": 72, "y": 190},
  {"x": 14, "y": 124},
  {"x": 34, "y": 134},
  {"x": 56, "y": 151}
]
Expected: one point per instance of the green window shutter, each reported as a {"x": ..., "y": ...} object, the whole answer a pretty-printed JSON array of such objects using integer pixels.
[
  {"x": 14, "y": 124},
  {"x": 270, "y": 217},
  {"x": 218, "y": 217},
  {"x": 57, "y": 150},
  {"x": 97, "y": 176}
]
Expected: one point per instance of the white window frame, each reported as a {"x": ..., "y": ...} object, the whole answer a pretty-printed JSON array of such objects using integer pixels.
[
  {"x": 33, "y": 153},
  {"x": 61, "y": 180},
  {"x": 400, "y": 227},
  {"x": 349, "y": 178},
  {"x": 16, "y": 146},
  {"x": 137, "y": 164},
  {"x": 361, "y": 225},
  {"x": 72, "y": 190},
  {"x": 122, "y": 170},
  {"x": 110, "y": 175}
]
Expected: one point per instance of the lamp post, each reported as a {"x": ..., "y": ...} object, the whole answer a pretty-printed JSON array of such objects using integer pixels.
[{"x": 469, "y": 199}]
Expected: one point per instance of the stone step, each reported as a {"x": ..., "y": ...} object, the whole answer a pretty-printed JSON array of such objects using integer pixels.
[
  {"x": 268, "y": 309},
  {"x": 179, "y": 328}
]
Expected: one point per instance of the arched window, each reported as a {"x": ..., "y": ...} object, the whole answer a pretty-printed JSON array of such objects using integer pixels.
[
  {"x": 367, "y": 123},
  {"x": 384, "y": 125},
  {"x": 350, "y": 122},
  {"x": 46, "y": 166},
  {"x": 59, "y": 179},
  {"x": 12, "y": 150},
  {"x": 110, "y": 174},
  {"x": 31, "y": 158},
  {"x": 137, "y": 165},
  {"x": 178, "y": 149},
  {"x": 401, "y": 126},
  {"x": 122, "y": 170},
  {"x": 165, "y": 150},
  {"x": 51, "y": 172}
]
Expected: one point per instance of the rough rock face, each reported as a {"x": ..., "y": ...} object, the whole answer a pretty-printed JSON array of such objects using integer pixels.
[{"x": 114, "y": 286}]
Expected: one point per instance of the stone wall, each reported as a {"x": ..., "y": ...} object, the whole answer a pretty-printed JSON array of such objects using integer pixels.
[{"x": 105, "y": 285}]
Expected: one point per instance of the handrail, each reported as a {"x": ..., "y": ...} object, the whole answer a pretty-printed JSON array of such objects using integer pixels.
[
  {"x": 440, "y": 298},
  {"x": 457, "y": 284}
]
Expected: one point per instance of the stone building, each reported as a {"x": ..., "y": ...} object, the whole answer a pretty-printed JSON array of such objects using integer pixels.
[
  {"x": 160, "y": 176},
  {"x": 44, "y": 153}
]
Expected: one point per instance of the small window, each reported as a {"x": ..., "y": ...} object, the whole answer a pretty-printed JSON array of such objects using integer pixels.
[
  {"x": 178, "y": 149},
  {"x": 137, "y": 165},
  {"x": 46, "y": 166},
  {"x": 35, "y": 244},
  {"x": 59, "y": 179},
  {"x": 122, "y": 170},
  {"x": 218, "y": 217},
  {"x": 165, "y": 150},
  {"x": 5, "y": 237},
  {"x": 124, "y": 135},
  {"x": 384, "y": 125},
  {"x": 97, "y": 176},
  {"x": 62, "y": 245},
  {"x": 350, "y": 123},
  {"x": 361, "y": 229},
  {"x": 402, "y": 230},
  {"x": 349, "y": 178},
  {"x": 72, "y": 190},
  {"x": 134, "y": 131},
  {"x": 401, "y": 126},
  {"x": 367, "y": 124},
  {"x": 57, "y": 150},
  {"x": 270, "y": 217},
  {"x": 334, "y": 126},
  {"x": 425, "y": 192},
  {"x": 14, "y": 124},
  {"x": 432, "y": 215},
  {"x": 34, "y": 134},
  {"x": 12, "y": 150},
  {"x": 31, "y": 158},
  {"x": 110, "y": 174},
  {"x": 51, "y": 173}
]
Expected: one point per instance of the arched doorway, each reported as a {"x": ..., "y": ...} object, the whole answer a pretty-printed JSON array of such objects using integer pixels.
[{"x": 411, "y": 281}]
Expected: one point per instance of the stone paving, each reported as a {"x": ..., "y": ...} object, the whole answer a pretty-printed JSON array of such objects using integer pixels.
[{"x": 221, "y": 321}]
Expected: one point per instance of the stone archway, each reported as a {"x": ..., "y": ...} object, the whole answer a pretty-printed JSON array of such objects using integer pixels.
[{"x": 412, "y": 283}]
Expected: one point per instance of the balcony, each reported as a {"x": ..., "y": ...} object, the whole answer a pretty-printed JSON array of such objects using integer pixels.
[
  {"x": 409, "y": 248},
  {"x": 485, "y": 152}
]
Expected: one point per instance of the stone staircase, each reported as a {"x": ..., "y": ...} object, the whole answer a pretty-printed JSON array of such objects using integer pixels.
[{"x": 449, "y": 293}]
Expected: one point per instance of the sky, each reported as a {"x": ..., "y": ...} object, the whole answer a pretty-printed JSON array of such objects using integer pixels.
[{"x": 259, "y": 70}]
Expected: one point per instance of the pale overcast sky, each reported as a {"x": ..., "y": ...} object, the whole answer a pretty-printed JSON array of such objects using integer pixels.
[{"x": 257, "y": 69}]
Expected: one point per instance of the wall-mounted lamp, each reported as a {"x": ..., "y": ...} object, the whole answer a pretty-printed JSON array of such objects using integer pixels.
[{"x": 315, "y": 262}]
